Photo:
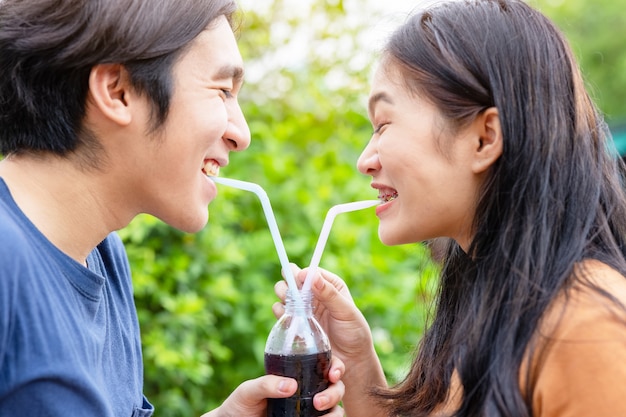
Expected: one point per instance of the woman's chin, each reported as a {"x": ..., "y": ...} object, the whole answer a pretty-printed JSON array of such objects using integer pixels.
[
  {"x": 394, "y": 235},
  {"x": 388, "y": 239}
]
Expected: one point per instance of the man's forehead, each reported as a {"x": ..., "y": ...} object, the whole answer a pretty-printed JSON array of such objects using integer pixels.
[{"x": 215, "y": 53}]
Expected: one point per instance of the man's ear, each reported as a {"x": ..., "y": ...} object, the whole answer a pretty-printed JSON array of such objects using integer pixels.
[
  {"x": 109, "y": 92},
  {"x": 489, "y": 145}
]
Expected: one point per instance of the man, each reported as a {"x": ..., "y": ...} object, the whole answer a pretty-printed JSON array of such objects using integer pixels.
[{"x": 108, "y": 109}]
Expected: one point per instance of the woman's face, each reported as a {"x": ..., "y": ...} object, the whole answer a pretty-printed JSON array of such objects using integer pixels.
[{"x": 421, "y": 169}]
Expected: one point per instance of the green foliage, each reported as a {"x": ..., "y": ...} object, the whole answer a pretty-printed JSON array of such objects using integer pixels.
[
  {"x": 204, "y": 300},
  {"x": 596, "y": 31}
]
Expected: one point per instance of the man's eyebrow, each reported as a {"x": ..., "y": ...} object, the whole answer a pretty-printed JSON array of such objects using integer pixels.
[
  {"x": 233, "y": 72},
  {"x": 382, "y": 96}
]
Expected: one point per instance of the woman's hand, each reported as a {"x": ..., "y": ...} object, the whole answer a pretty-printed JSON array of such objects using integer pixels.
[
  {"x": 347, "y": 329},
  {"x": 350, "y": 339}
]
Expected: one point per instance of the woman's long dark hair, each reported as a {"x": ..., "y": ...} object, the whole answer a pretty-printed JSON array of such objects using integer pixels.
[{"x": 554, "y": 198}]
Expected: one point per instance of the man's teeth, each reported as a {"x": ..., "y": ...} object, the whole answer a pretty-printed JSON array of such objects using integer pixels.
[{"x": 211, "y": 168}]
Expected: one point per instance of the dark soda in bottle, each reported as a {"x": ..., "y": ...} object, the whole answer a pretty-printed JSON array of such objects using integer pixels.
[
  {"x": 311, "y": 372},
  {"x": 297, "y": 347}
]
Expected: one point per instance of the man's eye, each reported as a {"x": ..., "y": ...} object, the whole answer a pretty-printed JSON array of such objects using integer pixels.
[{"x": 227, "y": 93}]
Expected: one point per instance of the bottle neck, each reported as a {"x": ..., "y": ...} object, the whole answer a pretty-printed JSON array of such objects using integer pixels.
[{"x": 299, "y": 305}]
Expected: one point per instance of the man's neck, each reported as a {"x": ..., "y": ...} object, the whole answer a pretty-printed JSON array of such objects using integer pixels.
[{"x": 68, "y": 205}]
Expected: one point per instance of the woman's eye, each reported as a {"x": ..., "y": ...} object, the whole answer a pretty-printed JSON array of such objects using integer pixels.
[{"x": 379, "y": 128}]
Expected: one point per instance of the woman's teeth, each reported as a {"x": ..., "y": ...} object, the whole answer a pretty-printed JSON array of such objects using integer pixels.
[
  {"x": 387, "y": 196},
  {"x": 211, "y": 168}
]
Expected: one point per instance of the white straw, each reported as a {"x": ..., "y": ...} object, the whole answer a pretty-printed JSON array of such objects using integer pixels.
[
  {"x": 321, "y": 242},
  {"x": 271, "y": 221}
]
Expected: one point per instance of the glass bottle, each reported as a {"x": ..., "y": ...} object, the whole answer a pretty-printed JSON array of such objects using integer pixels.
[{"x": 297, "y": 347}]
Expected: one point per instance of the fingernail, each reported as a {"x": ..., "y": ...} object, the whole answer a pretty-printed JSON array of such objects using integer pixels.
[
  {"x": 319, "y": 283},
  {"x": 321, "y": 401},
  {"x": 283, "y": 386}
]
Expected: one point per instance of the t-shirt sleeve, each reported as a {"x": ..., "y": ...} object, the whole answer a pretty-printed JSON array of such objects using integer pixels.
[
  {"x": 11, "y": 266},
  {"x": 582, "y": 370},
  {"x": 5, "y": 303}
]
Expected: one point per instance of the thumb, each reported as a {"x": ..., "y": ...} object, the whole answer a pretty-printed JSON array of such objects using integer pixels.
[
  {"x": 331, "y": 292},
  {"x": 249, "y": 397}
]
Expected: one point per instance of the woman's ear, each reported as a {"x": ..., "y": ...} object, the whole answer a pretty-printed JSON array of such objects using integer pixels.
[
  {"x": 109, "y": 92},
  {"x": 489, "y": 145}
]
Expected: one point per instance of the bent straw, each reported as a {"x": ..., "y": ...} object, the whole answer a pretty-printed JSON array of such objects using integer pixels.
[
  {"x": 321, "y": 242},
  {"x": 271, "y": 221}
]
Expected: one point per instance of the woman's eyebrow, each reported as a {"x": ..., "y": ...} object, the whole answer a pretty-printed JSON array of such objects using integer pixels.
[{"x": 373, "y": 100}]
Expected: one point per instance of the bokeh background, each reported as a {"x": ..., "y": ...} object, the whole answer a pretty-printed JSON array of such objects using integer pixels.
[{"x": 204, "y": 299}]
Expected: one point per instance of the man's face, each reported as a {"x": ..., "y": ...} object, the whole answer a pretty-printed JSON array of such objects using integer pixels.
[{"x": 203, "y": 125}]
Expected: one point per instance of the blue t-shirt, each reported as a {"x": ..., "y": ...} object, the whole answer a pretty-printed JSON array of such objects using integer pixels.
[{"x": 69, "y": 335}]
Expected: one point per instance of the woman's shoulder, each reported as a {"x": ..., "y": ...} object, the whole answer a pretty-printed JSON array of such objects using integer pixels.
[
  {"x": 598, "y": 291},
  {"x": 595, "y": 302},
  {"x": 580, "y": 352},
  {"x": 602, "y": 275}
]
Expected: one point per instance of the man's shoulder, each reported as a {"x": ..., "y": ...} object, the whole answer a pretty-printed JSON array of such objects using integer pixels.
[
  {"x": 12, "y": 230},
  {"x": 15, "y": 243}
]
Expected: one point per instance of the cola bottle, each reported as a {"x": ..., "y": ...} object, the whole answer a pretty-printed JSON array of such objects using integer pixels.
[{"x": 297, "y": 347}]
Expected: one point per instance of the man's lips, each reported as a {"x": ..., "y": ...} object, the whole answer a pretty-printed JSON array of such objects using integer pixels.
[{"x": 211, "y": 168}]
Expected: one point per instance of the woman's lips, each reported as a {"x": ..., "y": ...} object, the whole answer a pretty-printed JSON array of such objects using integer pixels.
[
  {"x": 386, "y": 204},
  {"x": 386, "y": 195}
]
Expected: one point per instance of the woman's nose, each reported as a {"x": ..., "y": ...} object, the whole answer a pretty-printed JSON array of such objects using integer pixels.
[{"x": 368, "y": 162}]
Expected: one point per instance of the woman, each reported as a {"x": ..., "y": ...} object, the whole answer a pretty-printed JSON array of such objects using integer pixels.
[{"x": 483, "y": 133}]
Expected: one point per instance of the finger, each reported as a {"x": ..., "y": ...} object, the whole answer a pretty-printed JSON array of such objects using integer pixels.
[
  {"x": 295, "y": 270},
  {"x": 266, "y": 386},
  {"x": 334, "y": 279},
  {"x": 328, "y": 294},
  {"x": 278, "y": 309},
  {"x": 300, "y": 275},
  {"x": 330, "y": 397},
  {"x": 337, "y": 370},
  {"x": 280, "y": 289},
  {"x": 250, "y": 398},
  {"x": 339, "y": 305}
]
